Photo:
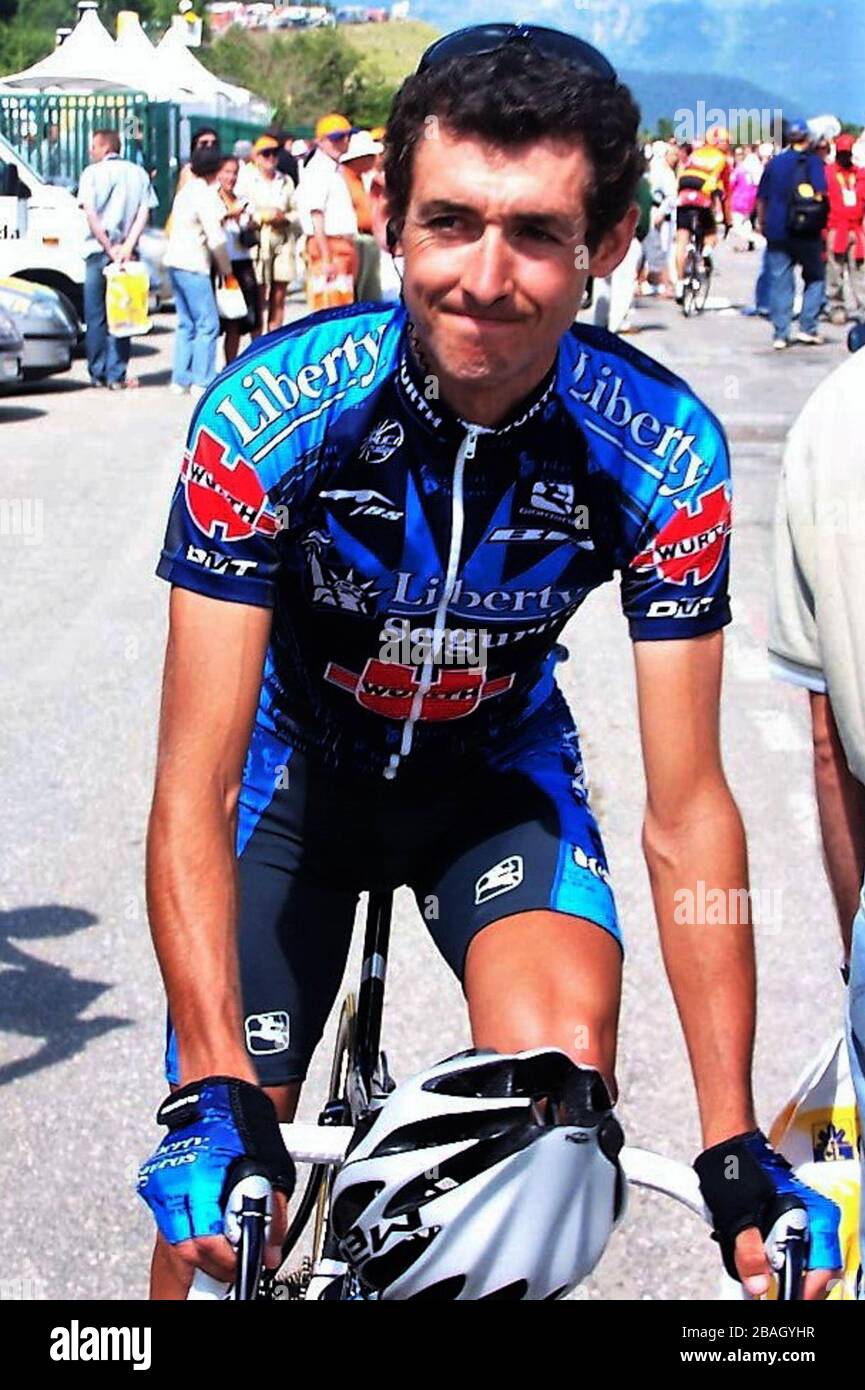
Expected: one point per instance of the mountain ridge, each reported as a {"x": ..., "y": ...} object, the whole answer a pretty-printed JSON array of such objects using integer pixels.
[{"x": 814, "y": 57}]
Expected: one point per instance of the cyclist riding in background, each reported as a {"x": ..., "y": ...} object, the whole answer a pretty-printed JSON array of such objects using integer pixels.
[
  {"x": 704, "y": 181},
  {"x": 384, "y": 519}
]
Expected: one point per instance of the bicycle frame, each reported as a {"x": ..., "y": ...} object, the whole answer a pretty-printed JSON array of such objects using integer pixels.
[{"x": 322, "y": 1146}]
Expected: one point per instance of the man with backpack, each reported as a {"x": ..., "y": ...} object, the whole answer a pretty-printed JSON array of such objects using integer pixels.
[{"x": 792, "y": 207}]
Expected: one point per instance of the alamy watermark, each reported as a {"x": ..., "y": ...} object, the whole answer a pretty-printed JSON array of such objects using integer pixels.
[
  {"x": 22, "y": 517},
  {"x": 405, "y": 645},
  {"x": 725, "y": 907},
  {"x": 77, "y": 1343},
  {"x": 747, "y": 125}
]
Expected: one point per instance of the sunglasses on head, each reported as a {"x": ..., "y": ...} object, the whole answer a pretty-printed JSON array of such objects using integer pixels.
[{"x": 550, "y": 43}]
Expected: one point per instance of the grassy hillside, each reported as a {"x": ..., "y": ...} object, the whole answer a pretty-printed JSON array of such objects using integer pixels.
[
  {"x": 392, "y": 48},
  {"x": 354, "y": 68}
]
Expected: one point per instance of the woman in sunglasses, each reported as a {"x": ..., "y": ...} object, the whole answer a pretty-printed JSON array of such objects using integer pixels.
[{"x": 271, "y": 195}]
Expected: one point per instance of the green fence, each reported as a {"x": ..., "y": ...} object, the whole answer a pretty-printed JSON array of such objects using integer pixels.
[{"x": 52, "y": 134}]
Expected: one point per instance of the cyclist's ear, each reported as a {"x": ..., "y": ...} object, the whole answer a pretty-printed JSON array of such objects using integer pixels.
[
  {"x": 381, "y": 224},
  {"x": 614, "y": 244}
]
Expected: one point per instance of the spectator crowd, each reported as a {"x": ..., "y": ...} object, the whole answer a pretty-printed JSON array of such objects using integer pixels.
[
  {"x": 801, "y": 206},
  {"x": 277, "y": 218}
]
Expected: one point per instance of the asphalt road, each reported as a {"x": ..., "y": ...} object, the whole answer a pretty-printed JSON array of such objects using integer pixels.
[{"x": 81, "y": 1011}]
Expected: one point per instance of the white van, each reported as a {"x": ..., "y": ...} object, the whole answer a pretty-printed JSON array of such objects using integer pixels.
[{"x": 51, "y": 249}]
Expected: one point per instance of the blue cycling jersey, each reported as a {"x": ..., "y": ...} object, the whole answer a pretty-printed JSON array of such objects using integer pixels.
[{"x": 421, "y": 568}]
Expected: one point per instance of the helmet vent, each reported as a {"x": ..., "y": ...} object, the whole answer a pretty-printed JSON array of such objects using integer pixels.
[
  {"x": 351, "y": 1203},
  {"x": 445, "y": 1129},
  {"x": 445, "y": 1291},
  {"x": 510, "y": 1293},
  {"x": 461, "y": 1168}
]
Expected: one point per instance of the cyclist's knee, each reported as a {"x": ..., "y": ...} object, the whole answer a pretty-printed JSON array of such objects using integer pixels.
[{"x": 170, "y": 1278}]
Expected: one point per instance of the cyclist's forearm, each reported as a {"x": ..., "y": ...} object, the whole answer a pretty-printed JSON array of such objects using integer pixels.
[
  {"x": 699, "y": 876},
  {"x": 192, "y": 903}
]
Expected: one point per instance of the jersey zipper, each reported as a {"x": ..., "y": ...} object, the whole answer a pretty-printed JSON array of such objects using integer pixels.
[{"x": 466, "y": 451}]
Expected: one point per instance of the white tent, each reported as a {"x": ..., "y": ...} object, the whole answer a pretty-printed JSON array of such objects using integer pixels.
[
  {"x": 87, "y": 61},
  {"x": 181, "y": 70}
]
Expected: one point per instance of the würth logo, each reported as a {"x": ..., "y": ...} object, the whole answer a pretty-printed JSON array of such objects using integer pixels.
[
  {"x": 224, "y": 499},
  {"x": 690, "y": 545}
]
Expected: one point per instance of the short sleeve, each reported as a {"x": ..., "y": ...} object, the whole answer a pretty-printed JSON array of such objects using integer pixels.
[
  {"x": 794, "y": 647},
  {"x": 85, "y": 188},
  {"x": 221, "y": 538},
  {"x": 675, "y": 581},
  {"x": 148, "y": 192},
  {"x": 316, "y": 186}
]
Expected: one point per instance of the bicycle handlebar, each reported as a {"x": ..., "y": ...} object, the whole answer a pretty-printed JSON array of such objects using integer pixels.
[{"x": 786, "y": 1244}]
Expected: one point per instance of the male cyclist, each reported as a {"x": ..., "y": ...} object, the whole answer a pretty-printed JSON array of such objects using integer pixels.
[
  {"x": 384, "y": 519},
  {"x": 704, "y": 180}
]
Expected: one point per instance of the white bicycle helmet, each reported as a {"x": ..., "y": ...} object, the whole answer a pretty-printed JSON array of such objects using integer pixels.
[{"x": 488, "y": 1176}]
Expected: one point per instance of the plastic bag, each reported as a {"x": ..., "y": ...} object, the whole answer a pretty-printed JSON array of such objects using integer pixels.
[
  {"x": 818, "y": 1132},
  {"x": 230, "y": 299},
  {"x": 127, "y": 294},
  {"x": 322, "y": 293}
]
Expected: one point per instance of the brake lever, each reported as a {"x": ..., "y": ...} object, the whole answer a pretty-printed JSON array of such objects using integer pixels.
[
  {"x": 787, "y": 1247},
  {"x": 247, "y": 1213}
]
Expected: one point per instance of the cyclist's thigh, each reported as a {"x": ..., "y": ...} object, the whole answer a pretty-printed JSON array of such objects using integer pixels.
[
  {"x": 521, "y": 839},
  {"x": 296, "y": 909}
]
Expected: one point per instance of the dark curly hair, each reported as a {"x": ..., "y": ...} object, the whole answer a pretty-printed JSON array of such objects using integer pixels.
[{"x": 514, "y": 96}]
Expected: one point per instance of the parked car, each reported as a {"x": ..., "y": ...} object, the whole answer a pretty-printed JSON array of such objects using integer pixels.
[
  {"x": 46, "y": 321},
  {"x": 11, "y": 351}
]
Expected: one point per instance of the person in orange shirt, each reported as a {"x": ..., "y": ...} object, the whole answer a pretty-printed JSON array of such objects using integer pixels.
[{"x": 359, "y": 159}]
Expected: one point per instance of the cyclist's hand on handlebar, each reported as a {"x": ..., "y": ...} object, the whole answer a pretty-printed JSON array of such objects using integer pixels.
[
  {"x": 752, "y": 1192},
  {"x": 217, "y": 1257},
  {"x": 755, "y": 1272},
  {"x": 221, "y": 1129}
]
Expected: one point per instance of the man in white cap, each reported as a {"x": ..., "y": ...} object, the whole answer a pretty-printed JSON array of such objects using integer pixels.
[{"x": 358, "y": 163}]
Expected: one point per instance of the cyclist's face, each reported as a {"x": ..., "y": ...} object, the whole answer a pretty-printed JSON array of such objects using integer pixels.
[{"x": 495, "y": 256}]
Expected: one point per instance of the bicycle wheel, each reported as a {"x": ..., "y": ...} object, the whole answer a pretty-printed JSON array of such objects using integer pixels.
[
  {"x": 704, "y": 281},
  {"x": 343, "y": 1060},
  {"x": 690, "y": 282}
]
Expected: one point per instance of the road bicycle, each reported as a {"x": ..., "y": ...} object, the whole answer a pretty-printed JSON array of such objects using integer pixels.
[
  {"x": 697, "y": 274},
  {"x": 360, "y": 1083}
]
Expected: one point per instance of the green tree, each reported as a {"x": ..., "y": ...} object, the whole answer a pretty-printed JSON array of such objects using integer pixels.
[
  {"x": 303, "y": 75},
  {"x": 21, "y": 46},
  {"x": 665, "y": 128}
]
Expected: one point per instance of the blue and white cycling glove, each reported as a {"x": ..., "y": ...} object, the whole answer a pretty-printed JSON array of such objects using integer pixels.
[
  {"x": 220, "y": 1130},
  {"x": 745, "y": 1183}
]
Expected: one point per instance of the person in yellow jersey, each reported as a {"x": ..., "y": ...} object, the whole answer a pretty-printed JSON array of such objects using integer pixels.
[{"x": 704, "y": 178}]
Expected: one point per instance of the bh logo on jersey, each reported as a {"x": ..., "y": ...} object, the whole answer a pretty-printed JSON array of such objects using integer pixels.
[
  {"x": 691, "y": 544},
  {"x": 224, "y": 500},
  {"x": 389, "y": 689}
]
